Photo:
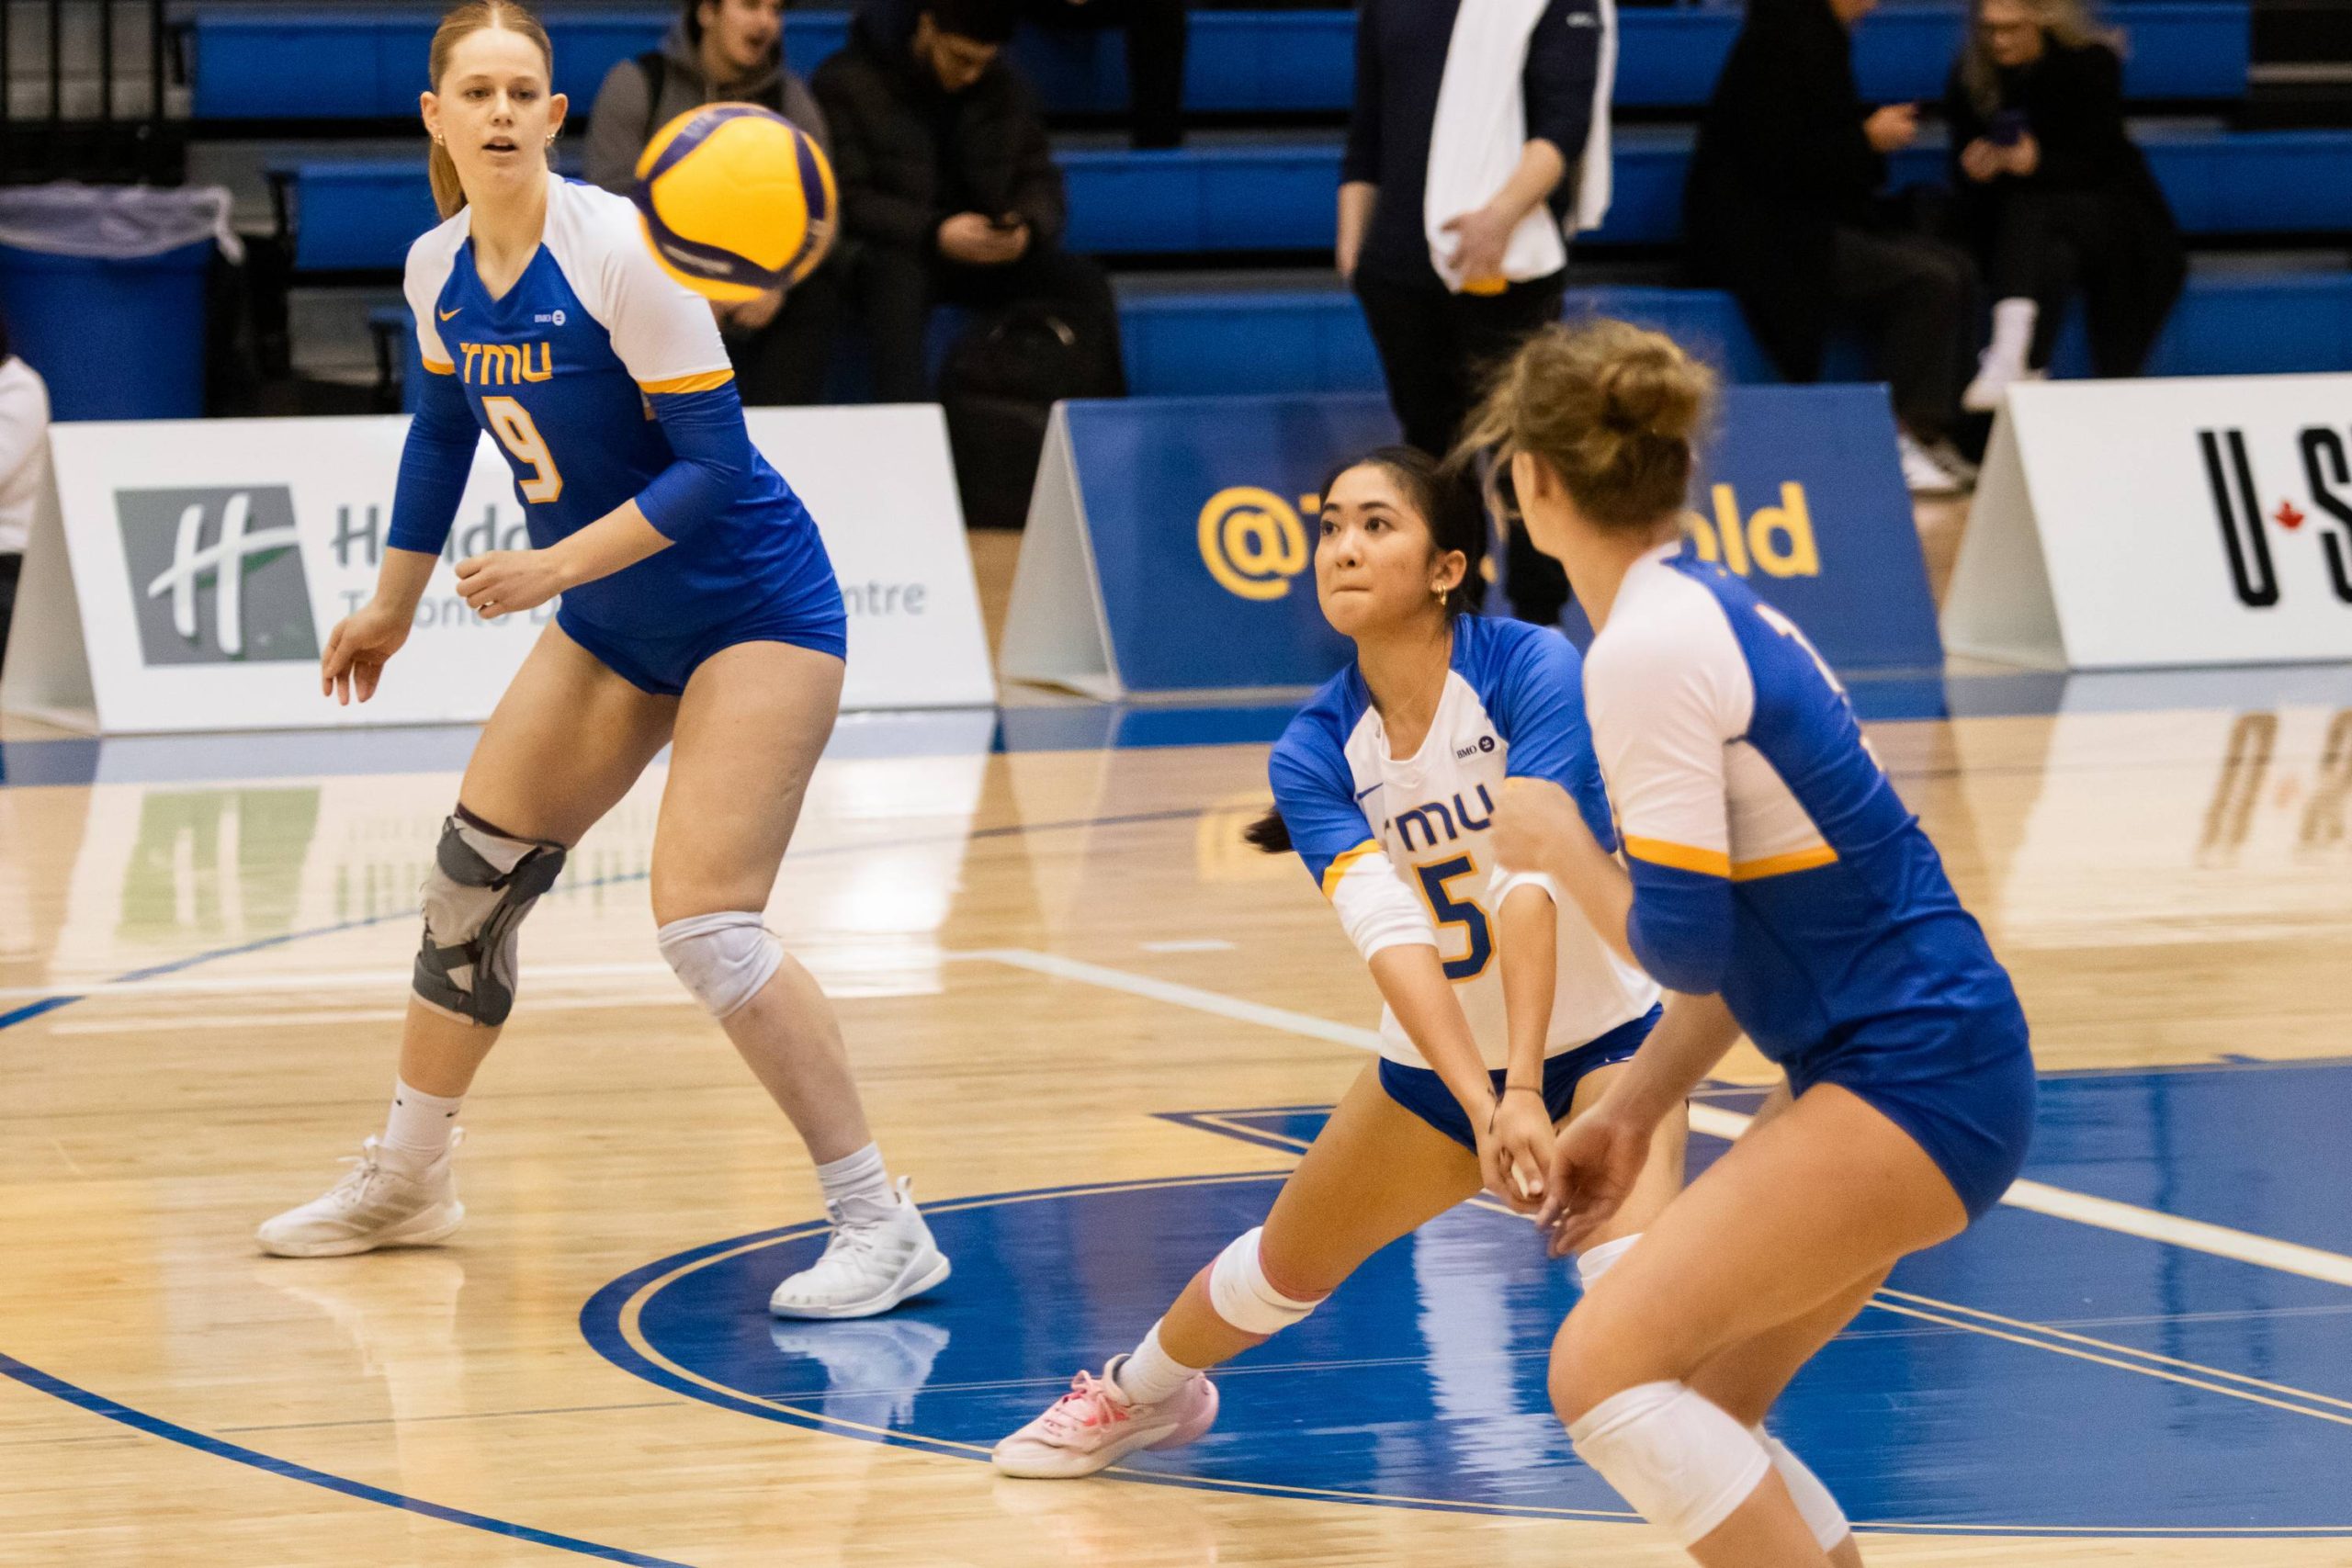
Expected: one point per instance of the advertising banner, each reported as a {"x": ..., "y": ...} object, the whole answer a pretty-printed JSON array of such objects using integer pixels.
[
  {"x": 205, "y": 562},
  {"x": 1170, "y": 541},
  {"x": 2202, "y": 520}
]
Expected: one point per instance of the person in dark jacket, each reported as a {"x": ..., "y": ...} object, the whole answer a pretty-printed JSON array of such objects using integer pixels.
[
  {"x": 1782, "y": 209},
  {"x": 719, "y": 51},
  {"x": 1438, "y": 338},
  {"x": 2054, "y": 195},
  {"x": 948, "y": 189},
  {"x": 1156, "y": 39}
]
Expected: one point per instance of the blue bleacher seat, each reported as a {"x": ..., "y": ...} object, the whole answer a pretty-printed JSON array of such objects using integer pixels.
[
  {"x": 368, "y": 62},
  {"x": 359, "y": 214},
  {"x": 1214, "y": 341}
]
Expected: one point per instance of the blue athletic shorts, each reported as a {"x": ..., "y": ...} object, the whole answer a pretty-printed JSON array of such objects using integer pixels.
[
  {"x": 1423, "y": 1093},
  {"x": 662, "y": 666},
  {"x": 1961, "y": 1085}
]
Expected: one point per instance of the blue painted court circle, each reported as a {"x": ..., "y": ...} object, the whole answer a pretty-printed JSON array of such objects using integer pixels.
[{"x": 2033, "y": 1377}]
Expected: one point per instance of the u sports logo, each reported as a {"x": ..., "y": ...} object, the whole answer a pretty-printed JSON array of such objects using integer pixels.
[
  {"x": 1252, "y": 542},
  {"x": 216, "y": 575},
  {"x": 2238, "y": 506}
]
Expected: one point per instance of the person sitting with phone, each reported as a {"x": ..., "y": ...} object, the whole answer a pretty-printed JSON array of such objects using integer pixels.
[
  {"x": 2054, "y": 197},
  {"x": 949, "y": 192}
]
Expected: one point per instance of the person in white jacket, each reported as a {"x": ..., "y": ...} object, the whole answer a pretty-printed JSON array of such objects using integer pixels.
[{"x": 24, "y": 469}]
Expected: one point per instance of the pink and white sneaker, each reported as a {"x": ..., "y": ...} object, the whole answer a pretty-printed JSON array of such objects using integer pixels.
[{"x": 1094, "y": 1427}]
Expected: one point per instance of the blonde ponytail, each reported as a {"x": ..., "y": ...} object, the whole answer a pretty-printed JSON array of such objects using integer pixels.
[{"x": 459, "y": 23}]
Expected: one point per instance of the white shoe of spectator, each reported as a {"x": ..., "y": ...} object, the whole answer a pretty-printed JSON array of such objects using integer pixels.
[
  {"x": 1922, "y": 475},
  {"x": 1947, "y": 457},
  {"x": 2003, "y": 362}
]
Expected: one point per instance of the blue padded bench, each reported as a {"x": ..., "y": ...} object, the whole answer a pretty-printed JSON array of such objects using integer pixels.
[
  {"x": 361, "y": 214},
  {"x": 1293, "y": 340},
  {"x": 273, "y": 63}
]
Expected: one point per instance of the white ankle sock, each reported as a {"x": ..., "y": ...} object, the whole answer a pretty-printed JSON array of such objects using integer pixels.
[
  {"x": 419, "y": 1126},
  {"x": 2012, "y": 342},
  {"x": 857, "y": 1185},
  {"x": 1151, "y": 1374}
]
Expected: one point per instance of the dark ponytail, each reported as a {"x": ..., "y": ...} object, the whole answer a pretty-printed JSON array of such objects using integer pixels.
[{"x": 1269, "y": 834}]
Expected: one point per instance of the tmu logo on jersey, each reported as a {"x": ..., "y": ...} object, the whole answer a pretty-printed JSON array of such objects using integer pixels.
[
  {"x": 216, "y": 575},
  {"x": 2246, "y": 517}
]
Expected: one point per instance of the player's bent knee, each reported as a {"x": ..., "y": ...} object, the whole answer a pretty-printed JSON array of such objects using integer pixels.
[
  {"x": 1681, "y": 1462},
  {"x": 1244, "y": 1297},
  {"x": 482, "y": 883},
  {"x": 723, "y": 959}
]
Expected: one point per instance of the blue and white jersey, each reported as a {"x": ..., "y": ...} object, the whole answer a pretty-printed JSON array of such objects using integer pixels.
[
  {"x": 1772, "y": 860},
  {"x": 603, "y": 380},
  {"x": 1401, "y": 845}
]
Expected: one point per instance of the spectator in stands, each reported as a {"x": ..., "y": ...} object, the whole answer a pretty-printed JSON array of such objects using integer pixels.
[
  {"x": 728, "y": 50},
  {"x": 2055, "y": 196},
  {"x": 24, "y": 469},
  {"x": 1782, "y": 210},
  {"x": 1452, "y": 232},
  {"x": 1155, "y": 56},
  {"x": 949, "y": 191}
]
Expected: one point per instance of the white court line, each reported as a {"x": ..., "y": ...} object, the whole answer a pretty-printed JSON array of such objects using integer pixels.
[
  {"x": 300, "y": 980},
  {"x": 2036, "y": 1197}
]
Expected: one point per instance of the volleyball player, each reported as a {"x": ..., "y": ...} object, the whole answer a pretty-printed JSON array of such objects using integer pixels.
[
  {"x": 1503, "y": 1011},
  {"x": 698, "y": 611},
  {"x": 1779, "y": 886}
]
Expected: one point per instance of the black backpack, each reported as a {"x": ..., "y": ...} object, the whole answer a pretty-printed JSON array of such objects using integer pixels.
[{"x": 1003, "y": 377}]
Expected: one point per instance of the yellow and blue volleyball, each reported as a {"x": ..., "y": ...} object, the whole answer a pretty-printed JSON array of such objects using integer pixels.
[{"x": 736, "y": 200}]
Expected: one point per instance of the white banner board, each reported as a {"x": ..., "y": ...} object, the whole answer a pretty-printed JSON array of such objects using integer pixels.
[
  {"x": 2120, "y": 524},
  {"x": 209, "y": 559}
]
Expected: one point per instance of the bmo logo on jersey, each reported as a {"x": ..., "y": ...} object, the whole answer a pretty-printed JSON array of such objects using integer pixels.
[
  {"x": 216, "y": 575},
  {"x": 2243, "y": 509}
]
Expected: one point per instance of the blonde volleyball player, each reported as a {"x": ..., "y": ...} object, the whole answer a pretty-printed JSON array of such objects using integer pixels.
[
  {"x": 1503, "y": 1010},
  {"x": 1781, "y": 887},
  {"x": 698, "y": 611}
]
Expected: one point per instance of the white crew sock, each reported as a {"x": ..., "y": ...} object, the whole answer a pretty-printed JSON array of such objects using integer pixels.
[
  {"x": 2013, "y": 321},
  {"x": 857, "y": 1186},
  {"x": 1595, "y": 1261},
  {"x": 1151, "y": 1374},
  {"x": 419, "y": 1124}
]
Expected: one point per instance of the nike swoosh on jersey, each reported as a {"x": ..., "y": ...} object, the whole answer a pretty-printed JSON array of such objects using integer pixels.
[
  {"x": 1366, "y": 790},
  {"x": 445, "y": 315}
]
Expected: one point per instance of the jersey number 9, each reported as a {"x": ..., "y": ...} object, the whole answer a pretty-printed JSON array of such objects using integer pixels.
[{"x": 512, "y": 422}]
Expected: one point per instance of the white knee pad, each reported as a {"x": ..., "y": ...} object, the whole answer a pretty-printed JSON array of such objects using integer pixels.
[
  {"x": 1679, "y": 1460},
  {"x": 1819, "y": 1510},
  {"x": 1239, "y": 1292},
  {"x": 723, "y": 959},
  {"x": 1595, "y": 1261}
]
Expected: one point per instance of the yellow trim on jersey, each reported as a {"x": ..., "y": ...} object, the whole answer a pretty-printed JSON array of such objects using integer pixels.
[
  {"x": 1681, "y": 857},
  {"x": 708, "y": 381},
  {"x": 1340, "y": 864},
  {"x": 441, "y": 366},
  {"x": 1781, "y": 866}
]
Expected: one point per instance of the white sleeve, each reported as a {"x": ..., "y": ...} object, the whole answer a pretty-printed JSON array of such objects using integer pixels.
[
  {"x": 24, "y": 417},
  {"x": 1666, "y": 688},
  {"x": 429, "y": 260},
  {"x": 1375, "y": 908},
  {"x": 662, "y": 331}
]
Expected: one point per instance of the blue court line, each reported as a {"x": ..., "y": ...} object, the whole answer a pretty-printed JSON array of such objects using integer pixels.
[{"x": 156, "y": 1426}]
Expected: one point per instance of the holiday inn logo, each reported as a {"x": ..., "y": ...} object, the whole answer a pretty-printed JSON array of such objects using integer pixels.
[{"x": 216, "y": 575}]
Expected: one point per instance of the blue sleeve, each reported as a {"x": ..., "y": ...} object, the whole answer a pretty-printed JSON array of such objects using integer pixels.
[
  {"x": 1680, "y": 927},
  {"x": 1538, "y": 706},
  {"x": 714, "y": 459},
  {"x": 1316, "y": 794},
  {"x": 1562, "y": 67},
  {"x": 436, "y": 462}
]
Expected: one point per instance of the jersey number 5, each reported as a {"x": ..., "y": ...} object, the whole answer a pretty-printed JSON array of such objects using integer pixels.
[
  {"x": 1452, "y": 911},
  {"x": 512, "y": 422}
]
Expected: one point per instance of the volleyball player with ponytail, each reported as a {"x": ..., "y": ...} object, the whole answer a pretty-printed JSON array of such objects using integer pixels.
[
  {"x": 1504, "y": 1009},
  {"x": 698, "y": 611},
  {"x": 1779, "y": 886}
]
